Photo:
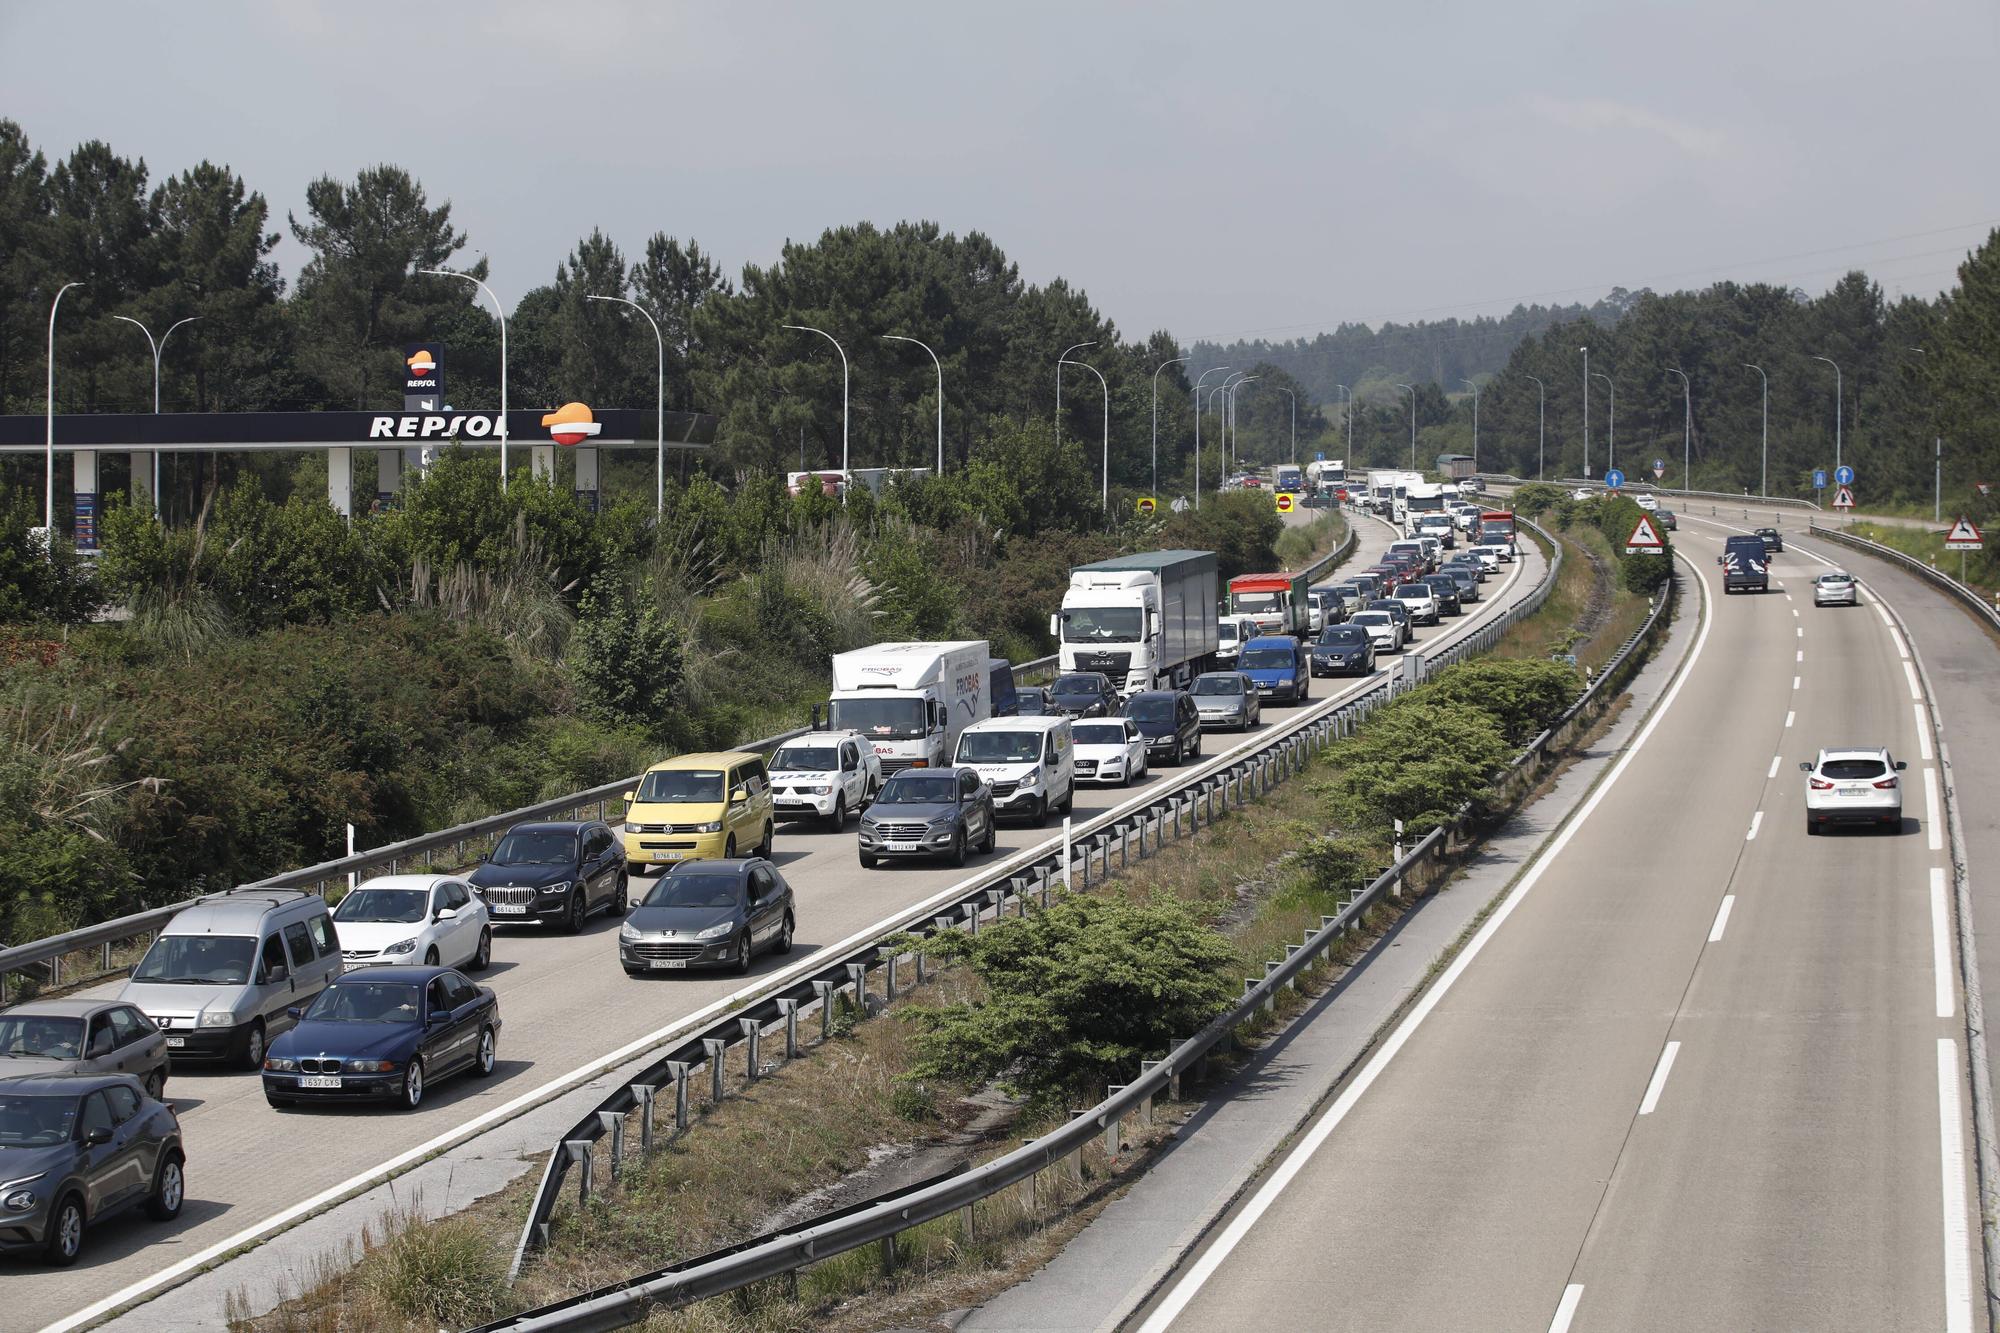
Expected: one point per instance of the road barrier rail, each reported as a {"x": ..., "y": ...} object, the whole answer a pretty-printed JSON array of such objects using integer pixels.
[{"x": 1971, "y": 596}]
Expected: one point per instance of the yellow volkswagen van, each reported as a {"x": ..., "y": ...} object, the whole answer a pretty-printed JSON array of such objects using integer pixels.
[{"x": 698, "y": 807}]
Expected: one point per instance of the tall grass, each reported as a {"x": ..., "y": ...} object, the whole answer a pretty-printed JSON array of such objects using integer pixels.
[{"x": 520, "y": 604}]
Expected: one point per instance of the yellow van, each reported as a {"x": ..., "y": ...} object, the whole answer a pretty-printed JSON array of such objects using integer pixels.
[{"x": 698, "y": 807}]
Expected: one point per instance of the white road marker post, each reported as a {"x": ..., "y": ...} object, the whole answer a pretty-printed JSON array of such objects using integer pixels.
[{"x": 1066, "y": 852}]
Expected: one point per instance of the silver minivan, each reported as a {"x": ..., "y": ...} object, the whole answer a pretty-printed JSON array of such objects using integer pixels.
[{"x": 221, "y": 976}]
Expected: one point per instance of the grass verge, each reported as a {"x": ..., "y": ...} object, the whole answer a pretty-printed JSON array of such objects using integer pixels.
[{"x": 1982, "y": 568}]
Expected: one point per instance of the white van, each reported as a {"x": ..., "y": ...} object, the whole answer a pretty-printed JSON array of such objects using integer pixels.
[
  {"x": 1231, "y": 633},
  {"x": 1028, "y": 762}
]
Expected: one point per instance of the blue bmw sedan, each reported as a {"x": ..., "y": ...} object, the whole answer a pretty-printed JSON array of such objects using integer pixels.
[{"x": 384, "y": 1034}]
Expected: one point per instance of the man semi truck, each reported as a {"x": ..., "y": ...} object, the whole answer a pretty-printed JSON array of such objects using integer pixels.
[
  {"x": 910, "y": 699},
  {"x": 1144, "y": 620}
]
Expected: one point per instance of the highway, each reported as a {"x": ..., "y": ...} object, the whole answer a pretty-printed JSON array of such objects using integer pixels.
[
  {"x": 1696, "y": 1071},
  {"x": 565, "y": 1002}
]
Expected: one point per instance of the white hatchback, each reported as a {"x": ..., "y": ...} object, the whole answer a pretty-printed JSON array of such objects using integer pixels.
[
  {"x": 1853, "y": 786},
  {"x": 1109, "y": 749}
]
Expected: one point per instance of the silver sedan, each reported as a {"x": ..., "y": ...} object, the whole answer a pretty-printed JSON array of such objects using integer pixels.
[
  {"x": 1226, "y": 699},
  {"x": 1836, "y": 587},
  {"x": 45, "y": 1037}
]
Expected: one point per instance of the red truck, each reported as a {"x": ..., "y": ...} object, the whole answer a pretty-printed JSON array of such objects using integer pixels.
[
  {"x": 1277, "y": 602},
  {"x": 1496, "y": 528}
]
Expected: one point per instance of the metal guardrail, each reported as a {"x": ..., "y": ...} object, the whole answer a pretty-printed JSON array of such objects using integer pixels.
[
  {"x": 1719, "y": 497},
  {"x": 1030, "y": 876},
  {"x": 591, "y": 803},
  {"x": 1972, "y": 597}
]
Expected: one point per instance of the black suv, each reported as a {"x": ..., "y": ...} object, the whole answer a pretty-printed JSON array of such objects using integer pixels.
[
  {"x": 1170, "y": 723},
  {"x": 1343, "y": 650},
  {"x": 1084, "y": 694},
  {"x": 552, "y": 872},
  {"x": 1773, "y": 539}
]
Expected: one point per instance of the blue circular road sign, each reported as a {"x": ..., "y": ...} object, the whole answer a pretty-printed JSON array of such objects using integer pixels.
[
  {"x": 1614, "y": 479},
  {"x": 1843, "y": 475}
]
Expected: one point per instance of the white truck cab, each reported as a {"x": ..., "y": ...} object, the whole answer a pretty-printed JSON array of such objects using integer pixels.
[
  {"x": 827, "y": 775},
  {"x": 1029, "y": 763}
]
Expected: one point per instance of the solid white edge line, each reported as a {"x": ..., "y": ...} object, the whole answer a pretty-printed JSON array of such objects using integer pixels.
[
  {"x": 1184, "y": 1291},
  {"x": 1933, "y": 829},
  {"x": 258, "y": 1232},
  {"x": 1659, "y": 1083},
  {"x": 1951, "y": 1165},
  {"x": 1756, "y": 822},
  {"x": 1910, "y": 672},
  {"x": 1941, "y": 946},
  {"x": 1566, "y": 1310},
  {"x": 1721, "y": 918},
  {"x": 1776, "y": 759},
  {"x": 1923, "y": 732}
]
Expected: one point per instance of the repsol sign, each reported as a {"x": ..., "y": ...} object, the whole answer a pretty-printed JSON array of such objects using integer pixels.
[{"x": 435, "y": 426}]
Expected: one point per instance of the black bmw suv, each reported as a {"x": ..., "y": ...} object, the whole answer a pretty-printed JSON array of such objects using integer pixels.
[{"x": 553, "y": 872}]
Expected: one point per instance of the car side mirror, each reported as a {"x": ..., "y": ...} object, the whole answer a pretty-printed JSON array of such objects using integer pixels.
[
  {"x": 631, "y": 796},
  {"x": 738, "y": 796},
  {"x": 447, "y": 913},
  {"x": 295, "y": 1013},
  {"x": 1055, "y": 626},
  {"x": 94, "y": 1137},
  {"x": 434, "y": 1019},
  {"x": 1902, "y": 764},
  {"x": 1805, "y": 766}
]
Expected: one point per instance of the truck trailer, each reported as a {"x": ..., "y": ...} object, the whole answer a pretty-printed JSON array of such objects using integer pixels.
[
  {"x": 910, "y": 699},
  {"x": 1145, "y": 620}
]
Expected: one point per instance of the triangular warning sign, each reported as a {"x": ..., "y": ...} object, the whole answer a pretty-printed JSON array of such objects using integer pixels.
[
  {"x": 1843, "y": 498},
  {"x": 1964, "y": 536},
  {"x": 1645, "y": 537}
]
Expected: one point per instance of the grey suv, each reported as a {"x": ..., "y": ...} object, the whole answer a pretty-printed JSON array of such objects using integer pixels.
[
  {"x": 929, "y": 812},
  {"x": 76, "y": 1149}
]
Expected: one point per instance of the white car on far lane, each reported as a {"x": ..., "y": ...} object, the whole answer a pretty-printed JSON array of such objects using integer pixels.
[
  {"x": 1109, "y": 749},
  {"x": 413, "y": 920},
  {"x": 1854, "y": 785}
]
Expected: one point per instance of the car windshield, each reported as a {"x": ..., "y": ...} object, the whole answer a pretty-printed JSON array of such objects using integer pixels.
[
  {"x": 1155, "y": 709},
  {"x": 1835, "y": 577},
  {"x": 879, "y": 717},
  {"x": 50, "y": 1035},
  {"x": 1100, "y": 733},
  {"x": 1218, "y": 685},
  {"x": 1853, "y": 770},
  {"x": 365, "y": 1002},
  {"x": 35, "y": 1121},
  {"x": 1341, "y": 636},
  {"x": 1372, "y": 618},
  {"x": 403, "y": 906},
  {"x": 1415, "y": 590},
  {"x": 672, "y": 786},
  {"x": 1253, "y": 603},
  {"x": 703, "y": 890},
  {"x": 999, "y": 747},
  {"x": 198, "y": 960},
  {"x": 918, "y": 789},
  {"x": 1032, "y": 703},
  {"x": 1270, "y": 659},
  {"x": 1227, "y": 630},
  {"x": 535, "y": 849},
  {"x": 1102, "y": 624},
  {"x": 1071, "y": 686},
  {"x": 806, "y": 759},
  {"x": 1349, "y": 590}
]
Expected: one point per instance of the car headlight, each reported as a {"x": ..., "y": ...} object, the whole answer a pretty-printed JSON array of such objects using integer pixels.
[
  {"x": 941, "y": 825},
  {"x": 628, "y": 931},
  {"x": 18, "y": 1200},
  {"x": 279, "y": 1064},
  {"x": 402, "y": 946},
  {"x": 218, "y": 1018},
  {"x": 716, "y": 932},
  {"x": 371, "y": 1066},
  {"x": 560, "y": 886},
  {"x": 712, "y": 826},
  {"x": 1032, "y": 781}
]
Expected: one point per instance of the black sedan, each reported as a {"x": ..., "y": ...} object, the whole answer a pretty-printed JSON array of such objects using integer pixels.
[
  {"x": 384, "y": 1034},
  {"x": 929, "y": 812},
  {"x": 74, "y": 1150},
  {"x": 1774, "y": 541},
  {"x": 709, "y": 914},
  {"x": 1343, "y": 650},
  {"x": 1667, "y": 519},
  {"x": 1032, "y": 701},
  {"x": 1084, "y": 694},
  {"x": 554, "y": 873}
]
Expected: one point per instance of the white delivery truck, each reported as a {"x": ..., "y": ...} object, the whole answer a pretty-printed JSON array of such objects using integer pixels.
[
  {"x": 910, "y": 699},
  {"x": 1144, "y": 620}
]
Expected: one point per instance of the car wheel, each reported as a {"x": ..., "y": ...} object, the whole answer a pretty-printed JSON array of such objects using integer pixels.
[
  {"x": 578, "y": 909},
  {"x": 482, "y": 956},
  {"x": 729, "y": 848},
  {"x": 621, "y": 896},
  {"x": 742, "y": 966},
  {"x": 992, "y": 834},
  {"x": 253, "y": 1045},
  {"x": 169, "y": 1189},
  {"x": 867, "y": 861},
  {"x": 784, "y": 944},
  {"x": 770, "y": 843},
  {"x": 431, "y": 956},
  {"x": 482, "y": 1064},
  {"x": 837, "y": 821},
  {"x": 1069, "y": 799},
  {"x": 957, "y": 857},
  {"x": 156, "y": 1085},
  {"x": 1041, "y": 816},
  {"x": 65, "y": 1241},
  {"x": 412, "y": 1095}
]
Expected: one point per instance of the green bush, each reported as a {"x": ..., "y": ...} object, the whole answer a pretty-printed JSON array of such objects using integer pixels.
[
  {"x": 1523, "y": 697},
  {"x": 1538, "y": 497},
  {"x": 39, "y": 581},
  {"x": 624, "y": 656},
  {"x": 1418, "y": 760}
]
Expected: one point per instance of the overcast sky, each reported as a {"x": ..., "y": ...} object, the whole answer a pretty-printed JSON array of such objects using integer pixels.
[{"x": 1216, "y": 170}]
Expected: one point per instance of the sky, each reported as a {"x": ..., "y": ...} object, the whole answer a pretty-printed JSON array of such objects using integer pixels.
[{"x": 1256, "y": 170}]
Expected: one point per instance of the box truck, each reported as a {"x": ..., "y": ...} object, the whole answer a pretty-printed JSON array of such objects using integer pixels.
[
  {"x": 1144, "y": 620},
  {"x": 910, "y": 699},
  {"x": 1277, "y": 602}
]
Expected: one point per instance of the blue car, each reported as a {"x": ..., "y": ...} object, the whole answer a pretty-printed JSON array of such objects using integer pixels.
[
  {"x": 384, "y": 1034},
  {"x": 1280, "y": 667}
]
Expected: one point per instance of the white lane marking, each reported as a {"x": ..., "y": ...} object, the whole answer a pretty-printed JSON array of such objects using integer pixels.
[
  {"x": 1880, "y": 613},
  {"x": 1176, "y": 1300},
  {"x": 1802, "y": 631},
  {"x": 1902, "y": 649},
  {"x": 1931, "y": 824},
  {"x": 1659, "y": 1083},
  {"x": 1941, "y": 945},
  {"x": 1801, "y": 657},
  {"x": 1776, "y": 759},
  {"x": 1795, "y": 610},
  {"x": 1790, "y": 716},
  {"x": 1951, "y": 1162},
  {"x": 1795, "y": 682},
  {"x": 1755, "y": 820},
  {"x": 1923, "y": 731},
  {"x": 1911, "y": 673},
  {"x": 1566, "y": 1309},
  {"x": 1721, "y": 918}
]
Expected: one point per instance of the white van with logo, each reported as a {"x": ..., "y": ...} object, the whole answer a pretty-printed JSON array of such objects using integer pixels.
[{"x": 1028, "y": 762}]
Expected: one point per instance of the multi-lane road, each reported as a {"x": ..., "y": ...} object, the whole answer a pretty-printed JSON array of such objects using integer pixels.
[
  {"x": 566, "y": 1003},
  {"x": 1697, "y": 1071}
]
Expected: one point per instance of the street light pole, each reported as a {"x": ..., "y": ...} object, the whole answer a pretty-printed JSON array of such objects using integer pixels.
[
  {"x": 1156, "y": 422},
  {"x": 1611, "y": 449},
  {"x": 1232, "y": 441},
  {"x": 159, "y": 348},
  {"x": 659, "y": 403},
  {"x": 49, "y": 404},
  {"x": 845, "y": 477},
  {"x": 1059, "y": 365},
  {"x": 449, "y": 273},
  {"x": 1475, "y": 422},
  {"x": 1687, "y": 429},
  {"x": 1541, "y": 427},
  {"x": 897, "y": 337},
  {"x": 1764, "y": 478},
  {"x": 1586, "y": 412},
  {"x": 1197, "y": 429},
  {"x": 1107, "y": 423},
  {"x": 1838, "y": 396},
  {"x": 1223, "y": 418},
  {"x": 1413, "y": 423}
]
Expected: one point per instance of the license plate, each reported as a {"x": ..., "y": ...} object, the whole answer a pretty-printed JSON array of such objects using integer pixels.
[
  {"x": 666, "y": 856},
  {"x": 175, "y": 1043},
  {"x": 322, "y": 1081},
  {"x": 660, "y": 964},
  {"x": 510, "y": 909}
]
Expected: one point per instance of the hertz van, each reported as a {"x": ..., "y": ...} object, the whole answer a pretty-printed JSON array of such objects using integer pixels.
[{"x": 1029, "y": 762}]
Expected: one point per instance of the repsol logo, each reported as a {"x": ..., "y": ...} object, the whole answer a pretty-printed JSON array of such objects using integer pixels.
[{"x": 433, "y": 425}]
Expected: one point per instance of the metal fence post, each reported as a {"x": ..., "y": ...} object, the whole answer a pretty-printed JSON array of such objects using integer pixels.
[
  {"x": 1146, "y": 1107},
  {"x": 614, "y": 1125},
  {"x": 1111, "y": 1122},
  {"x": 715, "y": 1046},
  {"x": 643, "y": 1094},
  {"x": 790, "y": 1009},
  {"x": 889, "y": 976},
  {"x": 753, "y": 1036},
  {"x": 580, "y": 1156},
  {"x": 678, "y": 1071},
  {"x": 824, "y": 989},
  {"x": 857, "y": 977}
]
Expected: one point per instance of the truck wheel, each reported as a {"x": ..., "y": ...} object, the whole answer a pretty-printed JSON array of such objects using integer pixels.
[
  {"x": 1041, "y": 818},
  {"x": 837, "y": 821}
]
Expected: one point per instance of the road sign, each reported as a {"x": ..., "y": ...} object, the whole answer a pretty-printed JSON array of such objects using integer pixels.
[
  {"x": 1645, "y": 537},
  {"x": 1843, "y": 475},
  {"x": 1146, "y": 506},
  {"x": 1819, "y": 478},
  {"x": 1659, "y": 468},
  {"x": 1180, "y": 505},
  {"x": 1843, "y": 498},
  {"x": 1614, "y": 479},
  {"x": 1964, "y": 536},
  {"x": 1319, "y": 458},
  {"x": 1284, "y": 501},
  {"x": 1341, "y": 494}
]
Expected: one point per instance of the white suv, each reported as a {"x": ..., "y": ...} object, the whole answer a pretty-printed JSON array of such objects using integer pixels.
[
  {"x": 1853, "y": 786},
  {"x": 1421, "y": 600}
]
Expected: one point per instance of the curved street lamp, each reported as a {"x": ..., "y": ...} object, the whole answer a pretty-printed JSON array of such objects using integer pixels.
[
  {"x": 1075, "y": 347},
  {"x": 659, "y": 404},
  {"x": 1156, "y": 421},
  {"x": 450, "y": 273},
  {"x": 1611, "y": 450},
  {"x": 49, "y": 404},
  {"x": 1413, "y": 423},
  {"x": 1475, "y": 422},
  {"x": 1541, "y": 425},
  {"x": 1687, "y": 437},
  {"x": 1107, "y": 424},
  {"x": 159, "y": 350},
  {"x": 1764, "y": 484},
  {"x": 807, "y": 328},
  {"x": 1197, "y": 428},
  {"x": 899, "y": 338},
  {"x": 1838, "y": 398}
]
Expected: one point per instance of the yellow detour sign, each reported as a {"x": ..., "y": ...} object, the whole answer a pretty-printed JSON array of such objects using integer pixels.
[
  {"x": 1146, "y": 506},
  {"x": 1287, "y": 501}
]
